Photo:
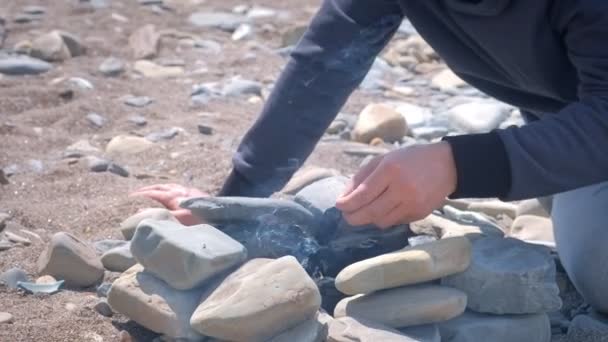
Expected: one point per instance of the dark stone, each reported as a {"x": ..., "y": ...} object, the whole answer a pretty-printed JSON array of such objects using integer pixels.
[
  {"x": 118, "y": 170},
  {"x": 205, "y": 130}
]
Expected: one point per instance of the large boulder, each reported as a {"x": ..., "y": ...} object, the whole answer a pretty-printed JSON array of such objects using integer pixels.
[
  {"x": 475, "y": 327},
  {"x": 258, "y": 301},
  {"x": 68, "y": 258},
  {"x": 405, "y": 306},
  {"x": 411, "y": 265},
  {"x": 153, "y": 304},
  {"x": 184, "y": 257},
  {"x": 508, "y": 276}
]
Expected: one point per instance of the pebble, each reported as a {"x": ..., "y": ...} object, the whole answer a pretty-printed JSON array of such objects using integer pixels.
[
  {"x": 244, "y": 31},
  {"x": 405, "y": 306},
  {"x": 118, "y": 259},
  {"x": 81, "y": 83},
  {"x": 184, "y": 257},
  {"x": 11, "y": 277},
  {"x": 238, "y": 87},
  {"x": 223, "y": 21},
  {"x": 3, "y": 178},
  {"x": 128, "y": 226},
  {"x": 349, "y": 329},
  {"x": 14, "y": 238},
  {"x": 144, "y": 42},
  {"x": 508, "y": 276},
  {"x": 124, "y": 144},
  {"x": 138, "y": 101},
  {"x": 446, "y": 80},
  {"x": 50, "y": 47},
  {"x": 103, "y": 308},
  {"x": 23, "y": 65},
  {"x": 112, "y": 66},
  {"x": 6, "y": 318},
  {"x": 102, "y": 246},
  {"x": 208, "y": 46},
  {"x": 34, "y": 10},
  {"x": 96, "y": 120},
  {"x": 79, "y": 149},
  {"x": 118, "y": 170},
  {"x": 138, "y": 120},
  {"x": 475, "y": 327},
  {"x": 70, "y": 259},
  {"x": 152, "y": 70},
  {"x": 257, "y": 12},
  {"x": 382, "y": 121},
  {"x": 263, "y": 298},
  {"x": 306, "y": 176},
  {"x": 478, "y": 116},
  {"x": 103, "y": 289},
  {"x": 411, "y": 265},
  {"x": 533, "y": 229},
  {"x": 588, "y": 328},
  {"x": 46, "y": 279},
  {"x": 165, "y": 134},
  {"x": 153, "y": 304},
  {"x": 5, "y": 245},
  {"x": 205, "y": 130}
]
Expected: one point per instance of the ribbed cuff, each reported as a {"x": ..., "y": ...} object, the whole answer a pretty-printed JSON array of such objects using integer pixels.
[{"x": 482, "y": 165}]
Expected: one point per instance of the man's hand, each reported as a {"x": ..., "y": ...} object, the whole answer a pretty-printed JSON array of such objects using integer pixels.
[
  {"x": 400, "y": 187},
  {"x": 170, "y": 196}
]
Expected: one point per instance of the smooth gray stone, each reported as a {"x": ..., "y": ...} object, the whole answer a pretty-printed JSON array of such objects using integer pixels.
[
  {"x": 103, "y": 308},
  {"x": 164, "y": 134},
  {"x": 5, "y": 245},
  {"x": 246, "y": 209},
  {"x": 588, "y": 328},
  {"x": 138, "y": 101},
  {"x": 112, "y": 67},
  {"x": 184, "y": 257},
  {"x": 118, "y": 170},
  {"x": 97, "y": 164},
  {"x": 239, "y": 87},
  {"x": 321, "y": 195},
  {"x": 23, "y": 65},
  {"x": 223, "y": 21},
  {"x": 102, "y": 246},
  {"x": 33, "y": 9},
  {"x": 11, "y": 277},
  {"x": 349, "y": 329},
  {"x": 138, "y": 120},
  {"x": 96, "y": 119},
  {"x": 118, "y": 259},
  {"x": 103, "y": 289},
  {"x": 508, "y": 276},
  {"x": 475, "y": 327},
  {"x": 205, "y": 130}
]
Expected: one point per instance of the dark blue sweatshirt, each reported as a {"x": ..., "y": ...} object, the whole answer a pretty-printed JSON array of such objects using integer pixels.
[{"x": 547, "y": 57}]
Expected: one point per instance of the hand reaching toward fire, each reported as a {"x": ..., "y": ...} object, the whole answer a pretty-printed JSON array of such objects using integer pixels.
[{"x": 170, "y": 196}]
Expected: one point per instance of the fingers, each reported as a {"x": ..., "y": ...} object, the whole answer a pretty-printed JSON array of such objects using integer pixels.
[
  {"x": 394, "y": 217},
  {"x": 366, "y": 192},
  {"x": 159, "y": 187},
  {"x": 160, "y": 196},
  {"x": 185, "y": 217},
  {"x": 374, "y": 211},
  {"x": 361, "y": 175}
]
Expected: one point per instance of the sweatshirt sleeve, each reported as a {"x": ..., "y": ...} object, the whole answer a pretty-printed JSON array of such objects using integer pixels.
[
  {"x": 328, "y": 63},
  {"x": 562, "y": 151}
]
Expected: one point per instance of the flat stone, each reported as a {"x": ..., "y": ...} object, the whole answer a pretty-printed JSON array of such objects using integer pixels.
[
  {"x": 128, "y": 226},
  {"x": 23, "y": 65},
  {"x": 12, "y": 276},
  {"x": 262, "y": 298},
  {"x": 588, "y": 328},
  {"x": 234, "y": 209},
  {"x": 6, "y": 318},
  {"x": 123, "y": 144},
  {"x": 223, "y": 21},
  {"x": 311, "y": 330},
  {"x": 34, "y": 9},
  {"x": 411, "y": 265},
  {"x": 533, "y": 229},
  {"x": 5, "y": 245},
  {"x": 382, "y": 121},
  {"x": 70, "y": 259},
  {"x": 508, "y": 276},
  {"x": 80, "y": 148},
  {"x": 118, "y": 259},
  {"x": 81, "y": 83},
  {"x": 152, "y": 70},
  {"x": 239, "y": 87},
  {"x": 405, "y": 306},
  {"x": 305, "y": 177},
  {"x": 50, "y": 47},
  {"x": 103, "y": 308},
  {"x": 478, "y": 116},
  {"x": 531, "y": 207},
  {"x": 112, "y": 66},
  {"x": 164, "y": 134},
  {"x": 138, "y": 101},
  {"x": 475, "y": 327},
  {"x": 96, "y": 119},
  {"x": 144, "y": 42},
  {"x": 494, "y": 208},
  {"x": 153, "y": 304},
  {"x": 17, "y": 239},
  {"x": 118, "y": 170},
  {"x": 102, "y": 246},
  {"x": 443, "y": 228},
  {"x": 321, "y": 195},
  {"x": 349, "y": 329},
  {"x": 138, "y": 120},
  {"x": 184, "y": 257}
]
